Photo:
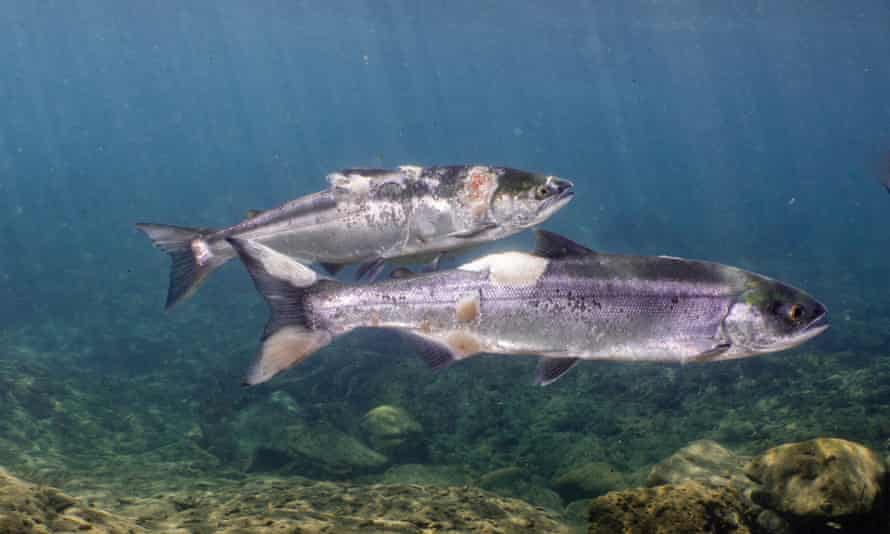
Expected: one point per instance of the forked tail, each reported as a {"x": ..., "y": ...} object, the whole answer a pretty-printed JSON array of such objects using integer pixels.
[
  {"x": 192, "y": 259},
  {"x": 290, "y": 336}
]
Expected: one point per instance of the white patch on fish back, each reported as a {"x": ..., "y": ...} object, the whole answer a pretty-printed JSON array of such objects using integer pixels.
[
  {"x": 466, "y": 309},
  {"x": 353, "y": 184},
  {"x": 413, "y": 170},
  {"x": 510, "y": 268}
]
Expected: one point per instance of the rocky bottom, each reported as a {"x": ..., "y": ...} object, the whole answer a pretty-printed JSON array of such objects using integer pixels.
[
  {"x": 273, "y": 505},
  {"x": 820, "y": 486},
  {"x": 824, "y": 485}
]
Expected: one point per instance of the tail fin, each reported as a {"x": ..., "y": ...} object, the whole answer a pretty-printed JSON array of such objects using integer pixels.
[
  {"x": 183, "y": 245},
  {"x": 290, "y": 336}
]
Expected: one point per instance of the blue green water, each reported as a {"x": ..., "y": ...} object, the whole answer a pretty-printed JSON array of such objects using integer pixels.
[{"x": 749, "y": 133}]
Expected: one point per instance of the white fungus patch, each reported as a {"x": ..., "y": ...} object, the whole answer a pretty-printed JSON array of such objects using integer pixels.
[{"x": 510, "y": 268}]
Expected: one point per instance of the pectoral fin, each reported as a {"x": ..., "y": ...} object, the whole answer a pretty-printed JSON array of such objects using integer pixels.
[
  {"x": 552, "y": 369},
  {"x": 437, "y": 355},
  {"x": 712, "y": 353},
  {"x": 473, "y": 232}
]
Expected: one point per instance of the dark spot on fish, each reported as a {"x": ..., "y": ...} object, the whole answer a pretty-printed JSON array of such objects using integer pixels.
[{"x": 675, "y": 300}]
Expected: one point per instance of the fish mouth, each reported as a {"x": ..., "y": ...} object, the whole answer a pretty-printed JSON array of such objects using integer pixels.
[
  {"x": 818, "y": 325},
  {"x": 815, "y": 327},
  {"x": 555, "y": 203}
]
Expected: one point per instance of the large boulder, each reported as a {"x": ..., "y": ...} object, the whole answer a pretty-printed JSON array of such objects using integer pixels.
[
  {"x": 686, "y": 507},
  {"x": 322, "y": 451},
  {"x": 588, "y": 480},
  {"x": 704, "y": 461},
  {"x": 393, "y": 431},
  {"x": 514, "y": 481},
  {"x": 421, "y": 475},
  {"x": 823, "y": 484}
]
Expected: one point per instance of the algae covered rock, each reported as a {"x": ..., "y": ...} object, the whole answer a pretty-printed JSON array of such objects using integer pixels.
[
  {"x": 672, "y": 508},
  {"x": 422, "y": 474},
  {"x": 499, "y": 478},
  {"x": 704, "y": 461},
  {"x": 393, "y": 431},
  {"x": 822, "y": 483},
  {"x": 577, "y": 511},
  {"x": 514, "y": 481},
  {"x": 587, "y": 480},
  {"x": 28, "y": 508},
  {"x": 322, "y": 451}
]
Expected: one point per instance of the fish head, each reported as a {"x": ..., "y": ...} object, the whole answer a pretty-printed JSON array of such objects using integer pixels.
[
  {"x": 524, "y": 199},
  {"x": 770, "y": 316}
]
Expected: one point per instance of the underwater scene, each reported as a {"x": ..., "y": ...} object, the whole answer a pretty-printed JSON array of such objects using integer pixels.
[{"x": 424, "y": 266}]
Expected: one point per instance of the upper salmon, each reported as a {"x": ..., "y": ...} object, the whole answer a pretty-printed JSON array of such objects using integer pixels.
[{"x": 373, "y": 215}]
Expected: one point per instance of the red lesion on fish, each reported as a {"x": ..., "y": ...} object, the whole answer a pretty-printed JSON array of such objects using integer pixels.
[
  {"x": 478, "y": 189},
  {"x": 478, "y": 185}
]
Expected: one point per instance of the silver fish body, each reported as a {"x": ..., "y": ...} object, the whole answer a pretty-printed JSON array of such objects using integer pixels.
[
  {"x": 563, "y": 303},
  {"x": 371, "y": 216}
]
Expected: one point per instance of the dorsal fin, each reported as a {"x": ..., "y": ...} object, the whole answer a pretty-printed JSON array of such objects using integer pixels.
[{"x": 550, "y": 245}]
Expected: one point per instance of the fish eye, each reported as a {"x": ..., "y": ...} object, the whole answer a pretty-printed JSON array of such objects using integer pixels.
[
  {"x": 542, "y": 192},
  {"x": 795, "y": 312}
]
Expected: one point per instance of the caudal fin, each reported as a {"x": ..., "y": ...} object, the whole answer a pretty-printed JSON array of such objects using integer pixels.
[
  {"x": 290, "y": 336},
  {"x": 187, "y": 270}
]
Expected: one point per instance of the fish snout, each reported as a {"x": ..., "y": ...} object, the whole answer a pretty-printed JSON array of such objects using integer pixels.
[
  {"x": 819, "y": 319},
  {"x": 562, "y": 186}
]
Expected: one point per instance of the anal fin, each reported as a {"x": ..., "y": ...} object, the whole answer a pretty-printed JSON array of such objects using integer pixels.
[{"x": 550, "y": 370}]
